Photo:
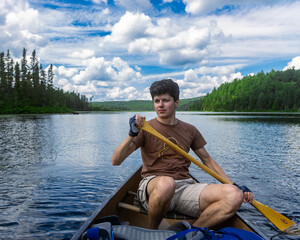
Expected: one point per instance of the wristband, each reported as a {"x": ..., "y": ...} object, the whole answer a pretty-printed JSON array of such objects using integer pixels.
[{"x": 243, "y": 188}]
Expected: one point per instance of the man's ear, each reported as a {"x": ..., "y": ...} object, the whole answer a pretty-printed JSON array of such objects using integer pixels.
[{"x": 177, "y": 103}]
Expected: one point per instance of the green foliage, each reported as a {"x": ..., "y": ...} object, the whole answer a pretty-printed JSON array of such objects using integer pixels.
[
  {"x": 28, "y": 88},
  {"x": 136, "y": 105},
  {"x": 274, "y": 91}
]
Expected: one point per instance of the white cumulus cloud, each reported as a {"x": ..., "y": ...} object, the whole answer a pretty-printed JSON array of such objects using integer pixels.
[
  {"x": 129, "y": 93},
  {"x": 131, "y": 26},
  {"x": 295, "y": 63},
  {"x": 85, "y": 53},
  {"x": 103, "y": 48},
  {"x": 65, "y": 72},
  {"x": 20, "y": 26},
  {"x": 172, "y": 41},
  {"x": 99, "y": 77}
]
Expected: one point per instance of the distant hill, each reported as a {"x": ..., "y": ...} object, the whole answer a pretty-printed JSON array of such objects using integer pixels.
[{"x": 137, "y": 105}]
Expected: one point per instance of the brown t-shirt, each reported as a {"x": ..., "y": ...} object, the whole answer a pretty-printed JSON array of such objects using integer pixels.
[{"x": 161, "y": 160}]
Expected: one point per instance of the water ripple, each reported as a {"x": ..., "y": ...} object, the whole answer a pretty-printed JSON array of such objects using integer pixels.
[{"x": 55, "y": 170}]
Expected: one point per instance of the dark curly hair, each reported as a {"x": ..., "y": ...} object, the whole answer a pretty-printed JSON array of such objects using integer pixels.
[{"x": 165, "y": 86}]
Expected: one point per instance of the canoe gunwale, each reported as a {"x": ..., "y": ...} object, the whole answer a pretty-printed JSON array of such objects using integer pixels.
[{"x": 106, "y": 206}]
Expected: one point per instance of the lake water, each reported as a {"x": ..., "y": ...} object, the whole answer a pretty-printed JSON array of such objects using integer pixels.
[{"x": 55, "y": 170}]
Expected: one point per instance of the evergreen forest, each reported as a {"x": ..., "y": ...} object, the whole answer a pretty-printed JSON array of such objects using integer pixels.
[
  {"x": 273, "y": 91},
  {"x": 26, "y": 87}
]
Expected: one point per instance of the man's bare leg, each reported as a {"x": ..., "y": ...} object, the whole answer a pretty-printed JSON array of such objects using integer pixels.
[
  {"x": 160, "y": 191},
  {"x": 218, "y": 203}
]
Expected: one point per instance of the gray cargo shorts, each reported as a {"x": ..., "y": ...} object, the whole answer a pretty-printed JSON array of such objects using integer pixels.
[{"x": 185, "y": 199}]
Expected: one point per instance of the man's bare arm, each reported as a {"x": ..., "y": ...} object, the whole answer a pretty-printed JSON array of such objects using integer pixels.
[
  {"x": 212, "y": 164},
  {"x": 123, "y": 151}
]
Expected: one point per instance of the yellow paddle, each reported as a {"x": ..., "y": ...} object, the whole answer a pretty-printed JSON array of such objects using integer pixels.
[{"x": 280, "y": 221}]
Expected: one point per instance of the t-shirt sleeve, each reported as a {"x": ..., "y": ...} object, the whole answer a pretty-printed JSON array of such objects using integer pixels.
[
  {"x": 139, "y": 139},
  {"x": 199, "y": 141}
]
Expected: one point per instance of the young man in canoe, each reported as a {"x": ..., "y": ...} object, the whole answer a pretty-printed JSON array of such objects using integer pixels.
[{"x": 166, "y": 184}]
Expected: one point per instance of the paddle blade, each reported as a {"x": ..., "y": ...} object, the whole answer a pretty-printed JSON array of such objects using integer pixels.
[{"x": 280, "y": 221}]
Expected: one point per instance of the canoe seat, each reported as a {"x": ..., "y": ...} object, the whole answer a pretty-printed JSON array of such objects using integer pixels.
[{"x": 137, "y": 207}]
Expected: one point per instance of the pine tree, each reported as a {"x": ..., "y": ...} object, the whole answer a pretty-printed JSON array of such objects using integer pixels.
[
  {"x": 17, "y": 85},
  {"x": 25, "y": 82},
  {"x": 2, "y": 80}
]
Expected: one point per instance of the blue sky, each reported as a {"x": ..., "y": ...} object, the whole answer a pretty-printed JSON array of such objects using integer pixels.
[{"x": 114, "y": 49}]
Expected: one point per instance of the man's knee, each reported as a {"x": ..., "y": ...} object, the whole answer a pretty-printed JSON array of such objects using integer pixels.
[
  {"x": 164, "y": 188},
  {"x": 234, "y": 198}
]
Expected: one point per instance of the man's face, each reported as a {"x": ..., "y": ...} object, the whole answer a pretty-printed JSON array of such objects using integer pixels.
[{"x": 165, "y": 105}]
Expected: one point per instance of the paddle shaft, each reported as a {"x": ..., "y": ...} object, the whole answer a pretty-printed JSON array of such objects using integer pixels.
[{"x": 280, "y": 221}]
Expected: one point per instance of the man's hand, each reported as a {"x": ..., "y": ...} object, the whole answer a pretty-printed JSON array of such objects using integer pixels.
[{"x": 248, "y": 195}]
